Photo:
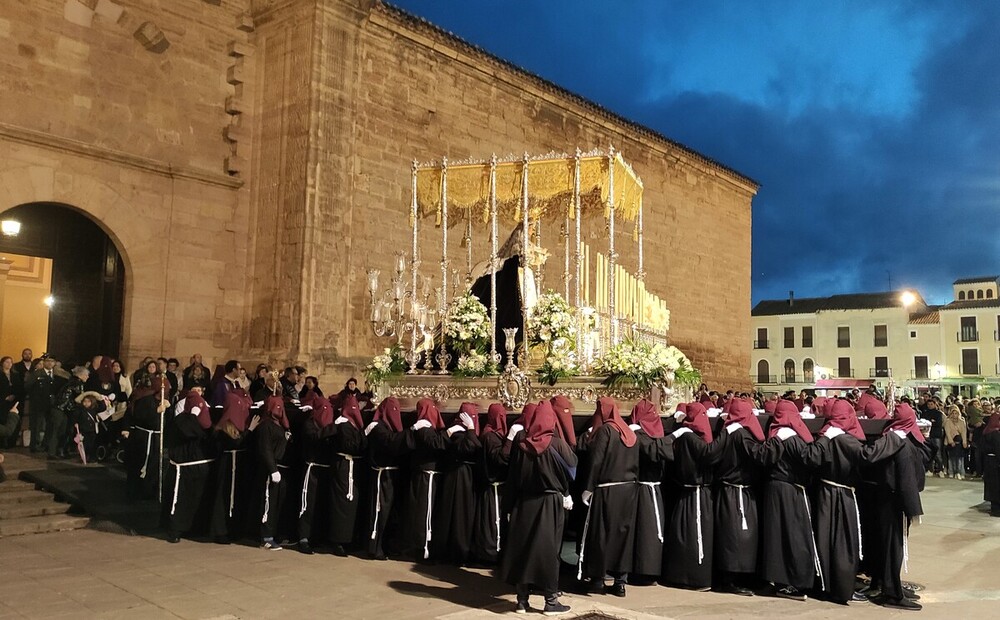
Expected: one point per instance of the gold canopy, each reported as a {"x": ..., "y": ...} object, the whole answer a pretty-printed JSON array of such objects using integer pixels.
[{"x": 550, "y": 187}]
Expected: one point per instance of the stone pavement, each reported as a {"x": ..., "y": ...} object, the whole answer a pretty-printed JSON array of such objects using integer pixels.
[{"x": 93, "y": 574}]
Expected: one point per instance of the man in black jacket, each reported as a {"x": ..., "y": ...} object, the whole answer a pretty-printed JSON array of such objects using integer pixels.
[
  {"x": 42, "y": 386},
  {"x": 63, "y": 406}
]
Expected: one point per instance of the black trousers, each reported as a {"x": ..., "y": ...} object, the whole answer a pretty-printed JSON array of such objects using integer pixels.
[{"x": 893, "y": 527}]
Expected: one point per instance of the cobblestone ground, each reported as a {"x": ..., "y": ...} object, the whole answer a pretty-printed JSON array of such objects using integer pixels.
[{"x": 94, "y": 574}]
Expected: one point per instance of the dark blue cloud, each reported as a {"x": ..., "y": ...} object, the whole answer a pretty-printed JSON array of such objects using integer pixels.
[{"x": 873, "y": 127}]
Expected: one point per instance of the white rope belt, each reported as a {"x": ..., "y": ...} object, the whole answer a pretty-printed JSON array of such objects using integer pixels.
[
  {"x": 586, "y": 524},
  {"x": 857, "y": 511},
  {"x": 305, "y": 486},
  {"x": 697, "y": 505},
  {"x": 906, "y": 546},
  {"x": 232, "y": 480},
  {"x": 743, "y": 514},
  {"x": 656, "y": 506},
  {"x": 812, "y": 535},
  {"x": 350, "y": 475},
  {"x": 149, "y": 448},
  {"x": 267, "y": 496},
  {"x": 378, "y": 496},
  {"x": 177, "y": 479},
  {"x": 496, "y": 502},
  {"x": 430, "y": 510}
]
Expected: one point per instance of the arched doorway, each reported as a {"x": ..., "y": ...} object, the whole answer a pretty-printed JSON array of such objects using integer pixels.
[
  {"x": 87, "y": 279},
  {"x": 763, "y": 370}
]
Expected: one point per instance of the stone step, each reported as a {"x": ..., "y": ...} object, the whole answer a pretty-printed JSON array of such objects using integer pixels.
[
  {"x": 27, "y": 495},
  {"x": 39, "y": 525},
  {"x": 15, "y": 485},
  {"x": 31, "y": 509}
]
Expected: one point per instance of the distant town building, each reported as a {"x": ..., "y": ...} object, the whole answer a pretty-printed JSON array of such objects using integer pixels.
[{"x": 856, "y": 340}]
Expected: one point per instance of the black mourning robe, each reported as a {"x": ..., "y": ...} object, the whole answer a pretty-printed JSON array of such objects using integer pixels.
[
  {"x": 387, "y": 452},
  {"x": 689, "y": 535},
  {"x": 142, "y": 452},
  {"x": 315, "y": 496},
  {"x": 609, "y": 531},
  {"x": 737, "y": 525},
  {"x": 900, "y": 481},
  {"x": 271, "y": 446},
  {"x": 788, "y": 549},
  {"x": 508, "y": 303},
  {"x": 233, "y": 484},
  {"x": 836, "y": 512},
  {"x": 347, "y": 443},
  {"x": 455, "y": 509},
  {"x": 490, "y": 480},
  {"x": 190, "y": 468},
  {"x": 650, "y": 512},
  {"x": 536, "y": 485},
  {"x": 990, "y": 447},
  {"x": 426, "y": 448}
]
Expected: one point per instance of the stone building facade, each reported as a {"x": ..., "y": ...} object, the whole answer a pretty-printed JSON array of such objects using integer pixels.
[{"x": 251, "y": 159}]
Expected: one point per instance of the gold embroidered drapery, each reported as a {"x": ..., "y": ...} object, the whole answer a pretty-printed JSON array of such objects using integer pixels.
[{"x": 551, "y": 187}]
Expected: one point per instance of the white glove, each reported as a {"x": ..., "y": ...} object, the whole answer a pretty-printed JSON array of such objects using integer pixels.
[
  {"x": 370, "y": 428},
  {"x": 586, "y": 497},
  {"x": 306, "y": 408},
  {"x": 680, "y": 432},
  {"x": 786, "y": 433},
  {"x": 195, "y": 410},
  {"x": 679, "y": 416},
  {"x": 259, "y": 403},
  {"x": 568, "y": 502},
  {"x": 467, "y": 421},
  {"x": 732, "y": 428},
  {"x": 458, "y": 428},
  {"x": 111, "y": 396},
  {"x": 276, "y": 477},
  {"x": 635, "y": 427},
  {"x": 341, "y": 420},
  {"x": 295, "y": 401},
  {"x": 421, "y": 424},
  {"x": 833, "y": 432},
  {"x": 807, "y": 416},
  {"x": 902, "y": 434},
  {"x": 514, "y": 430},
  {"x": 713, "y": 412}
]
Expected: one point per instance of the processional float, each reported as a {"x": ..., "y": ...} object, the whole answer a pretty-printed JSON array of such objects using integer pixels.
[{"x": 609, "y": 300}]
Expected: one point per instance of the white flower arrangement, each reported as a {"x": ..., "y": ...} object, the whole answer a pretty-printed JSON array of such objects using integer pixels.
[
  {"x": 383, "y": 365},
  {"x": 642, "y": 363},
  {"x": 474, "y": 364},
  {"x": 467, "y": 324},
  {"x": 559, "y": 363},
  {"x": 552, "y": 320}
]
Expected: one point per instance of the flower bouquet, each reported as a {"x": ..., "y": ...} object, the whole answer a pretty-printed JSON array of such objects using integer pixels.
[
  {"x": 388, "y": 363},
  {"x": 552, "y": 319},
  {"x": 559, "y": 364},
  {"x": 467, "y": 324},
  {"x": 474, "y": 364},
  {"x": 642, "y": 364}
]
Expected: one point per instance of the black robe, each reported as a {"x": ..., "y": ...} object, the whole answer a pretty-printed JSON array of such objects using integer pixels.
[
  {"x": 900, "y": 481},
  {"x": 609, "y": 531},
  {"x": 455, "y": 509},
  {"x": 536, "y": 485},
  {"x": 271, "y": 443},
  {"x": 737, "y": 477},
  {"x": 233, "y": 485},
  {"x": 315, "y": 496},
  {"x": 990, "y": 447},
  {"x": 650, "y": 512},
  {"x": 689, "y": 535},
  {"x": 426, "y": 447},
  {"x": 142, "y": 452},
  {"x": 190, "y": 469},
  {"x": 836, "y": 511},
  {"x": 387, "y": 453},
  {"x": 347, "y": 444},
  {"x": 491, "y": 475},
  {"x": 788, "y": 549}
]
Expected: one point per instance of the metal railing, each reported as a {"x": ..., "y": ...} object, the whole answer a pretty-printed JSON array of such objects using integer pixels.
[
  {"x": 763, "y": 379},
  {"x": 881, "y": 342},
  {"x": 923, "y": 374},
  {"x": 845, "y": 373},
  {"x": 879, "y": 372},
  {"x": 968, "y": 369},
  {"x": 789, "y": 344},
  {"x": 843, "y": 343},
  {"x": 760, "y": 344},
  {"x": 967, "y": 335}
]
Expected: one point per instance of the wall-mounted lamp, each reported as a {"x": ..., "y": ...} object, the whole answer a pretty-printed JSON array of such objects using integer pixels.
[{"x": 10, "y": 228}]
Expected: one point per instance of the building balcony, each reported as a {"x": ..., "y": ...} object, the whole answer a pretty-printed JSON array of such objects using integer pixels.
[
  {"x": 789, "y": 344},
  {"x": 967, "y": 335},
  {"x": 760, "y": 344},
  {"x": 807, "y": 344},
  {"x": 764, "y": 379},
  {"x": 845, "y": 373},
  {"x": 881, "y": 342},
  {"x": 844, "y": 343},
  {"x": 922, "y": 374},
  {"x": 968, "y": 369},
  {"x": 879, "y": 372},
  {"x": 996, "y": 336}
]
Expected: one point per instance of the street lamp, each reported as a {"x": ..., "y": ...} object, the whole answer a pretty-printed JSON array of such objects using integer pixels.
[
  {"x": 10, "y": 228},
  {"x": 938, "y": 370},
  {"x": 907, "y": 298}
]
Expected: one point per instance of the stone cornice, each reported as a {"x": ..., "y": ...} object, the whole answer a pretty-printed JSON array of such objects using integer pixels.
[{"x": 32, "y": 137}]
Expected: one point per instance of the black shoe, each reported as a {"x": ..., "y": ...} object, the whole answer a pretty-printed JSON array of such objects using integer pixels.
[
  {"x": 305, "y": 548},
  {"x": 903, "y": 603},
  {"x": 523, "y": 608},
  {"x": 381, "y": 557},
  {"x": 617, "y": 589},
  {"x": 222, "y": 540},
  {"x": 790, "y": 593},
  {"x": 555, "y": 608},
  {"x": 737, "y": 590},
  {"x": 173, "y": 538},
  {"x": 910, "y": 594},
  {"x": 338, "y": 550}
]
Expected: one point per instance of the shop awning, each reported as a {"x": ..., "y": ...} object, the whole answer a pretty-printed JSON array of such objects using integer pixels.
[{"x": 842, "y": 384}]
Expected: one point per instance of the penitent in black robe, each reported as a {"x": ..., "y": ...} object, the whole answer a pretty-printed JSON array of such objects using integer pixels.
[
  {"x": 608, "y": 545},
  {"x": 650, "y": 512},
  {"x": 426, "y": 447},
  {"x": 348, "y": 447},
  {"x": 233, "y": 485},
  {"x": 536, "y": 485},
  {"x": 190, "y": 469},
  {"x": 387, "y": 452},
  {"x": 315, "y": 496},
  {"x": 737, "y": 477},
  {"x": 990, "y": 447},
  {"x": 836, "y": 514},
  {"x": 271, "y": 444},
  {"x": 689, "y": 536},
  {"x": 900, "y": 481},
  {"x": 142, "y": 452},
  {"x": 788, "y": 549},
  {"x": 455, "y": 509},
  {"x": 491, "y": 475}
]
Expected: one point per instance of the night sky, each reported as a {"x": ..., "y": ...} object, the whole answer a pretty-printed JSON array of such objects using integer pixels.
[{"x": 872, "y": 127}]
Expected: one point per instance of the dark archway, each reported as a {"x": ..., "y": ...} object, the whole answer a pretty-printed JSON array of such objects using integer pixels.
[{"x": 88, "y": 278}]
